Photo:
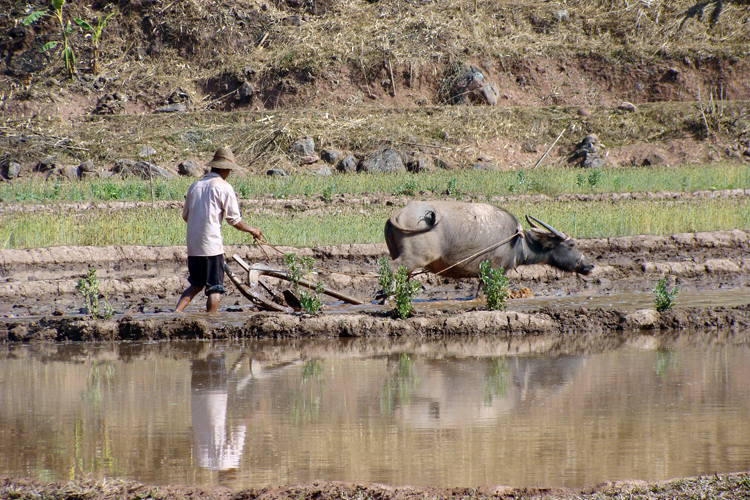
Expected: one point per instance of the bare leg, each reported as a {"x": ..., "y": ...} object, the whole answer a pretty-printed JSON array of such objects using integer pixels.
[
  {"x": 186, "y": 297},
  {"x": 212, "y": 303}
]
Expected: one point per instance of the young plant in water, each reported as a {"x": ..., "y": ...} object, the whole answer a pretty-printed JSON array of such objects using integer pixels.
[
  {"x": 405, "y": 291},
  {"x": 664, "y": 299},
  {"x": 494, "y": 284},
  {"x": 297, "y": 267},
  {"x": 385, "y": 277},
  {"x": 89, "y": 287}
]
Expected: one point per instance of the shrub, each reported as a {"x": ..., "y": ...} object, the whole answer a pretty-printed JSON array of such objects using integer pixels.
[
  {"x": 664, "y": 299},
  {"x": 405, "y": 290},
  {"x": 385, "y": 277},
  {"x": 89, "y": 287},
  {"x": 494, "y": 284}
]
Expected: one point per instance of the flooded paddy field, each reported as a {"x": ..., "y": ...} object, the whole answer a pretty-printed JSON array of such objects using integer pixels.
[
  {"x": 579, "y": 389},
  {"x": 445, "y": 413}
]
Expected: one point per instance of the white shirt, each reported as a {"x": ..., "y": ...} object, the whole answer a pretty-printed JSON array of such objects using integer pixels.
[{"x": 209, "y": 201}]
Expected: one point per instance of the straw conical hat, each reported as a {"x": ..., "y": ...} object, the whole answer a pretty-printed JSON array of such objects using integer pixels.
[{"x": 223, "y": 159}]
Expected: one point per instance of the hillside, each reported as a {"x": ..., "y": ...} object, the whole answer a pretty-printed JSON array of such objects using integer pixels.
[{"x": 655, "y": 81}]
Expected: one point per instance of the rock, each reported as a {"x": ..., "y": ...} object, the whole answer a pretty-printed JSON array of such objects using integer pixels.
[
  {"x": 100, "y": 83},
  {"x": 469, "y": 80},
  {"x": 386, "y": 160},
  {"x": 146, "y": 152},
  {"x": 178, "y": 96},
  {"x": 348, "y": 164},
  {"x": 421, "y": 164},
  {"x": 746, "y": 153},
  {"x": 584, "y": 112},
  {"x": 308, "y": 159},
  {"x": 642, "y": 319},
  {"x": 490, "y": 92},
  {"x": 627, "y": 106},
  {"x": 443, "y": 164},
  {"x": 323, "y": 170},
  {"x": 176, "y": 107},
  {"x": 11, "y": 170},
  {"x": 479, "y": 166},
  {"x": 66, "y": 172},
  {"x": 87, "y": 166},
  {"x": 276, "y": 172},
  {"x": 190, "y": 169},
  {"x": 47, "y": 164},
  {"x": 529, "y": 146},
  {"x": 331, "y": 156},
  {"x": 142, "y": 169},
  {"x": 245, "y": 91},
  {"x": 652, "y": 159},
  {"x": 589, "y": 153},
  {"x": 303, "y": 147},
  {"x": 110, "y": 103},
  {"x": 444, "y": 135},
  {"x": 293, "y": 20}
]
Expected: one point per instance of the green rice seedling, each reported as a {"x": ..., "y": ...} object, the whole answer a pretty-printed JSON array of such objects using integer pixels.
[
  {"x": 405, "y": 290},
  {"x": 386, "y": 279},
  {"x": 664, "y": 299},
  {"x": 494, "y": 284},
  {"x": 297, "y": 268},
  {"x": 88, "y": 286}
]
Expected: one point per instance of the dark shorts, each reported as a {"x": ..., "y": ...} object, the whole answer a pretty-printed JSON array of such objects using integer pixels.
[{"x": 207, "y": 272}]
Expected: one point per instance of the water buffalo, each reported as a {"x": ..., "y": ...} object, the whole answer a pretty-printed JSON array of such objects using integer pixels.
[{"x": 450, "y": 238}]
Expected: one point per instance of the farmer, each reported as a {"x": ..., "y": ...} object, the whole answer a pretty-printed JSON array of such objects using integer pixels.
[{"x": 208, "y": 201}]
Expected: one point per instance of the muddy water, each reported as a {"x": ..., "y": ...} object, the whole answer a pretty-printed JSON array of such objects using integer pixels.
[{"x": 458, "y": 412}]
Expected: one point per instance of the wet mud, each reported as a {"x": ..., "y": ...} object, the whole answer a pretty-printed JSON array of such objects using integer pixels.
[{"x": 565, "y": 313}]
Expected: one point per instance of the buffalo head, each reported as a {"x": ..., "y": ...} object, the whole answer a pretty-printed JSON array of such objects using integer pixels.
[{"x": 557, "y": 248}]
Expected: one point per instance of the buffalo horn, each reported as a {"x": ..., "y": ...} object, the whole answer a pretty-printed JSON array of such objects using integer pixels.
[{"x": 549, "y": 228}]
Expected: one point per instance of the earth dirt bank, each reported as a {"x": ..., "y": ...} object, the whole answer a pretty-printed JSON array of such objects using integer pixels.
[{"x": 725, "y": 486}]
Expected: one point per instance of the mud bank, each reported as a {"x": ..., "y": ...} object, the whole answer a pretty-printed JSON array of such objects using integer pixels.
[
  {"x": 725, "y": 486},
  {"x": 544, "y": 331}
]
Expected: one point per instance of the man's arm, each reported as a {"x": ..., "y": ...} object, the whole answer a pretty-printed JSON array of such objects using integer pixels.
[{"x": 241, "y": 226}]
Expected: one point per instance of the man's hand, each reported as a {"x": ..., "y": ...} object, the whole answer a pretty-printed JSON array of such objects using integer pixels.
[{"x": 241, "y": 226}]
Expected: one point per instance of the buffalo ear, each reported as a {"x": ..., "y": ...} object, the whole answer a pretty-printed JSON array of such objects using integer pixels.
[{"x": 546, "y": 239}]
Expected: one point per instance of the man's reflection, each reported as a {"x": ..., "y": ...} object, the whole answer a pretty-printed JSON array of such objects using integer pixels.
[{"x": 215, "y": 446}]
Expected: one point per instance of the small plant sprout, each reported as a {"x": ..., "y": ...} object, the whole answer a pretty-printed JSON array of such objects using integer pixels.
[
  {"x": 297, "y": 267},
  {"x": 96, "y": 35},
  {"x": 89, "y": 287},
  {"x": 664, "y": 299},
  {"x": 494, "y": 284},
  {"x": 67, "y": 54},
  {"x": 405, "y": 291},
  {"x": 386, "y": 279}
]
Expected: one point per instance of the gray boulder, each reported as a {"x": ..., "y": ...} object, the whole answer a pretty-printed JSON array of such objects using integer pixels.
[
  {"x": 189, "y": 169},
  {"x": 347, "y": 164},
  {"x": 303, "y": 147},
  {"x": 276, "y": 172},
  {"x": 10, "y": 170},
  {"x": 331, "y": 156},
  {"x": 47, "y": 164},
  {"x": 142, "y": 169},
  {"x": 386, "y": 160}
]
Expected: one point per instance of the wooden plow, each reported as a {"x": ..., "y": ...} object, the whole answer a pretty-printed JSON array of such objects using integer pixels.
[{"x": 251, "y": 290}]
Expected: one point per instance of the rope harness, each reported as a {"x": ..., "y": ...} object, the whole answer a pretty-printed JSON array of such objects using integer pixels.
[{"x": 519, "y": 232}]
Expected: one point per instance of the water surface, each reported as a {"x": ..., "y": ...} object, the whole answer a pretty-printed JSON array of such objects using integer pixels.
[{"x": 456, "y": 412}]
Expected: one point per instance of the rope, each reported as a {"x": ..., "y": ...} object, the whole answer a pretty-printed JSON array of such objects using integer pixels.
[
  {"x": 264, "y": 241},
  {"x": 491, "y": 247}
]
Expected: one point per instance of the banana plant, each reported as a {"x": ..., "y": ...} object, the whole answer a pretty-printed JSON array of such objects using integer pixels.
[
  {"x": 96, "y": 35},
  {"x": 56, "y": 9}
]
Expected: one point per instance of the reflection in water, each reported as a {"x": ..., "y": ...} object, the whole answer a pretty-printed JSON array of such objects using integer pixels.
[
  {"x": 217, "y": 447},
  {"x": 458, "y": 412}
]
